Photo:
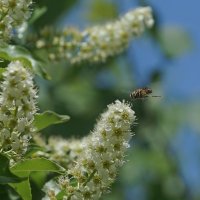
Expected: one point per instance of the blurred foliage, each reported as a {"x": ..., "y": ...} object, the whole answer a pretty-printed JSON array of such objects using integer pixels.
[
  {"x": 83, "y": 91},
  {"x": 170, "y": 35},
  {"x": 108, "y": 10},
  {"x": 55, "y": 10}
]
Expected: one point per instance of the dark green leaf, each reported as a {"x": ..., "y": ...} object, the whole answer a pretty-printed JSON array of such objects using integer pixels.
[
  {"x": 55, "y": 10},
  {"x": 6, "y": 176},
  {"x": 39, "y": 178},
  {"x": 38, "y": 12},
  {"x": 48, "y": 118}
]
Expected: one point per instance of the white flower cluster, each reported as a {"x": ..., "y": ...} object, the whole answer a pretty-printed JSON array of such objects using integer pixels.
[
  {"x": 97, "y": 43},
  {"x": 17, "y": 109},
  {"x": 13, "y": 15},
  {"x": 103, "y": 154},
  {"x": 59, "y": 150}
]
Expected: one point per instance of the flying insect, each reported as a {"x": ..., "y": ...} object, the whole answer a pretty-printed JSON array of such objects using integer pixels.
[{"x": 141, "y": 93}]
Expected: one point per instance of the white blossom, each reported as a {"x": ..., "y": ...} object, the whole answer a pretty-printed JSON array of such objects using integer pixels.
[
  {"x": 13, "y": 17},
  {"x": 97, "y": 43},
  {"x": 17, "y": 109},
  {"x": 103, "y": 153},
  {"x": 65, "y": 152}
]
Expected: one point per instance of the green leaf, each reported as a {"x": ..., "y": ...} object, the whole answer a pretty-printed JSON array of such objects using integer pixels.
[
  {"x": 2, "y": 70},
  {"x": 6, "y": 176},
  {"x": 24, "y": 169},
  {"x": 47, "y": 118},
  {"x": 32, "y": 148},
  {"x": 174, "y": 40},
  {"x": 23, "y": 189},
  {"x": 38, "y": 12},
  {"x": 12, "y": 53},
  {"x": 39, "y": 178},
  {"x": 61, "y": 194},
  {"x": 36, "y": 164}
]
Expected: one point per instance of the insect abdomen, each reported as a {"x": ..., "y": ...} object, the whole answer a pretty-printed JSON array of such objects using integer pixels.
[{"x": 135, "y": 94}]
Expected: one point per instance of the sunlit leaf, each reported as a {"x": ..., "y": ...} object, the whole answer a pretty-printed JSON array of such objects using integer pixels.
[
  {"x": 36, "y": 164},
  {"x": 25, "y": 167},
  {"x": 23, "y": 189},
  {"x": 61, "y": 194},
  {"x": 47, "y": 118},
  {"x": 12, "y": 53}
]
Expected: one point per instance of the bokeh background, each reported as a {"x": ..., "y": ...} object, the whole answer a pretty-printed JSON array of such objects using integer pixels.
[{"x": 164, "y": 158}]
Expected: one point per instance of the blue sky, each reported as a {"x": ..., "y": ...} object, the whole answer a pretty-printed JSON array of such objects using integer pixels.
[{"x": 181, "y": 76}]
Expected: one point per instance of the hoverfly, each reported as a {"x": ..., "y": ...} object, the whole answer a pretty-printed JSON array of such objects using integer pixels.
[{"x": 141, "y": 93}]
